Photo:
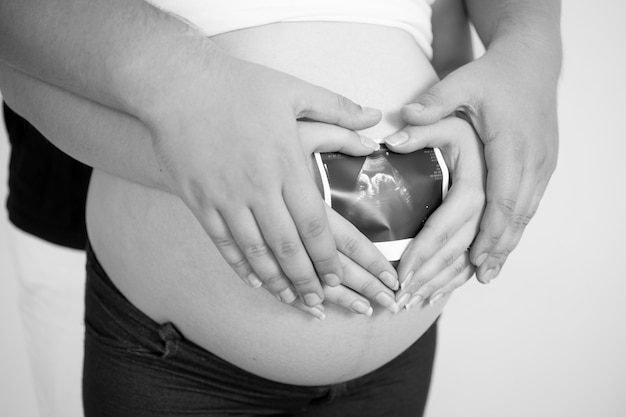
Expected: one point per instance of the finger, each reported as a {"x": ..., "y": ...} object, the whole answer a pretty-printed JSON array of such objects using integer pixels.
[
  {"x": 322, "y": 105},
  {"x": 323, "y": 137},
  {"x": 503, "y": 182},
  {"x": 523, "y": 213},
  {"x": 259, "y": 254},
  {"x": 458, "y": 273},
  {"x": 355, "y": 246},
  {"x": 454, "y": 92},
  {"x": 348, "y": 299},
  {"x": 308, "y": 211},
  {"x": 282, "y": 237},
  {"x": 424, "y": 278},
  {"x": 221, "y": 236},
  {"x": 317, "y": 311},
  {"x": 441, "y": 134},
  {"x": 367, "y": 285}
]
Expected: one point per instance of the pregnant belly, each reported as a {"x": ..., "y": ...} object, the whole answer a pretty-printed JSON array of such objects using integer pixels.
[{"x": 157, "y": 254}]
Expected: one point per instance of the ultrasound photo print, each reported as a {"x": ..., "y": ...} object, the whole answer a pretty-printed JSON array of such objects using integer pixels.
[{"x": 388, "y": 196}]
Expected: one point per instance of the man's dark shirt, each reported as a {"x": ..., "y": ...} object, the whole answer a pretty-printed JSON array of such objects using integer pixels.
[{"x": 47, "y": 188}]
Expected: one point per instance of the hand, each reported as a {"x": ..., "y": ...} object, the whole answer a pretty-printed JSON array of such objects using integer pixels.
[
  {"x": 511, "y": 101},
  {"x": 437, "y": 262},
  {"x": 368, "y": 276},
  {"x": 228, "y": 142}
]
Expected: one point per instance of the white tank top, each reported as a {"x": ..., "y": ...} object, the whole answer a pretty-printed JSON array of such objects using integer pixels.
[{"x": 219, "y": 16}]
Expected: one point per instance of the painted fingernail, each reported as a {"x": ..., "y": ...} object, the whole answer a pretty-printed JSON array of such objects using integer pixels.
[
  {"x": 253, "y": 280},
  {"x": 287, "y": 295},
  {"x": 385, "y": 300},
  {"x": 318, "y": 312},
  {"x": 415, "y": 300},
  {"x": 332, "y": 280},
  {"x": 481, "y": 259},
  {"x": 389, "y": 280},
  {"x": 369, "y": 143},
  {"x": 402, "y": 301},
  {"x": 397, "y": 138},
  {"x": 361, "y": 307},
  {"x": 435, "y": 298},
  {"x": 416, "y": 107},
  {"x": 407, "y": 280},
  {"x": 311, "y": 299},
  {"x": 488, "y": 276}
]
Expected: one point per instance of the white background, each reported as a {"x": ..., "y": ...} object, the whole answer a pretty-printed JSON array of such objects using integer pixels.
[{"x": 548, "y": 337}]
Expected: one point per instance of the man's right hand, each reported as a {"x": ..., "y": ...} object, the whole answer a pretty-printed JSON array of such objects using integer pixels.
[{"x": 229, "y": 144}]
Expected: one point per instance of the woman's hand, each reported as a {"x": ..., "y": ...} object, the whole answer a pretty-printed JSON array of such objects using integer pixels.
[
  {"x": 360, "y": 288},
  {"x": 510, "y": 97},
  {"x": 437, "y": 261},
  {"x": 228, "y": 142}
]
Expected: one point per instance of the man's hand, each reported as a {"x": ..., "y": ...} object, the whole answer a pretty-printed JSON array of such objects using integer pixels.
[
  {"x": 228, "y": 141},
  {"x": 511, "y": 102}
]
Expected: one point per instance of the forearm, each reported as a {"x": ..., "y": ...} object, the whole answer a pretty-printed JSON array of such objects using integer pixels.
[
  {"x": 96, "y": 135},
  {"x": 452, "y": 44},
  {"x": 121, "y": 53},
  {"x": 530, "y": 28}
]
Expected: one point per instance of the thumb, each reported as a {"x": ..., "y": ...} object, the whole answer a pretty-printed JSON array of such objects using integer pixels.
[
  {"x": 323, "y": 137},
  {"x": 319, "y": 104},
  {"x": 455, "y": 92}
]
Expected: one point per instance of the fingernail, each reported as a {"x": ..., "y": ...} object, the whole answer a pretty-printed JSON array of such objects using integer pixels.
[
  {"x": 415, "y": 300},
  {"x": 369, "y": 143},
  {"x": 407, "y": 280},
  {"x": 332, "y": 280},
  {"x": 318, "y": 312},
  {"x": 253, "y": 280},
  {"x": 361, "y": 307},
  {"x": 488, "y": 276},
  {"x": 389, "y": 280},
  {"x": 435, "y": 298},
  {"x": 287, "y": 295},
  {"x": 481, "y": 259},
  {"x": 402, "y": 301},
  {"x": 397, "y": 138},
  {"x": 311, "y": 299},
  {"x": 370, "y": 112},
  {"x": 416, "y": 107},
  {"x": 385, "y": 299}
]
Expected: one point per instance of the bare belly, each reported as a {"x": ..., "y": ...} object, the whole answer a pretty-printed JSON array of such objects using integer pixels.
[{"x": 159, "y": 257}]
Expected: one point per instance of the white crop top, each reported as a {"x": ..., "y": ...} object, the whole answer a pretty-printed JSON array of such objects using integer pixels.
[{"x": 219, "y": 16}]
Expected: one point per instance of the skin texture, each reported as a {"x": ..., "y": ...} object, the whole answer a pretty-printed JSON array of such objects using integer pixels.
[{"x": 511, "y": 102}]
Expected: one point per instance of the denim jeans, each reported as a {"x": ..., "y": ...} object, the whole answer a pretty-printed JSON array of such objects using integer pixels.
[{"x": 137, "y": 367}]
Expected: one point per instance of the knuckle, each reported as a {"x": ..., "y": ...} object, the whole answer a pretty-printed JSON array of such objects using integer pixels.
[
  {"x": 344, "y": 103},
  {"x": 238, "y": 263},
  {"x": 520, "y": 221},
  {"x": 459, "y": 267},
  {"x": 273, "y": 280},
  {"x": 367, "y": 287},
  {"x": 286, "y": 250},
  {"x": 223, "y": 242},
  {"x": 350, "y": 246},
  {"x": 313, "y": 227},
  {"x": 256, "y": 251},
  {"x": 301, "y": 281},
  {"x": 448, "y": 259},
  {"x": 506, "y": 206}
]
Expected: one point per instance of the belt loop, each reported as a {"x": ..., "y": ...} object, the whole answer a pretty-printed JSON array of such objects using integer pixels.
[{"x": 171, "y": 337}]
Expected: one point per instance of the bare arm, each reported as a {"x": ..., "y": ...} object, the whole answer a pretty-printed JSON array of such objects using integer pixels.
[
  {"x": 130, "y": 56},
  {"x": 452, "y": 43},
  {"x": 509, "y": 94}
]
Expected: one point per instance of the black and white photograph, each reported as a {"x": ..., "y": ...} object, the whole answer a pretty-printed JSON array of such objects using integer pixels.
[{"x": 298, "y": 208}]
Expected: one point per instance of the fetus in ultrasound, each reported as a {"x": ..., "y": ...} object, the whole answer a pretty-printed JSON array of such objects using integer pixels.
[{"x": 387, "y": 196}]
